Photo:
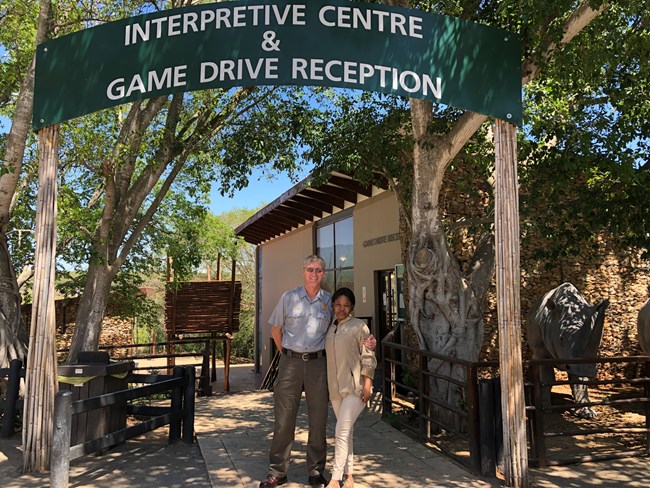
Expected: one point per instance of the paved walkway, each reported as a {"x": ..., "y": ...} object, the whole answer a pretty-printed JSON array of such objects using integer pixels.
[{"x": 234, "y": 434}]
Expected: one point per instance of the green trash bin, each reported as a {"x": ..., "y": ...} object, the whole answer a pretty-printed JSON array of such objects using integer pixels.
[{"x": 93, "y": 377}]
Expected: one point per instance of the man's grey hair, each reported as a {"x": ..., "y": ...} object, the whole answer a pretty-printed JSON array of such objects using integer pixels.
[{"x": 311, "y": 259}]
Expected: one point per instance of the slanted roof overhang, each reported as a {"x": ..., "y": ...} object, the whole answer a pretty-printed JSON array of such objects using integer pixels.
[{"x": 303, "y": 204}]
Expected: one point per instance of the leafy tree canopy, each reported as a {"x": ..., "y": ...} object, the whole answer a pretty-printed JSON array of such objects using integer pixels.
[{"x": 584, "y": 143}]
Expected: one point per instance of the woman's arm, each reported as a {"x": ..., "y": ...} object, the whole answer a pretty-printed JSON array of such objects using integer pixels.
[
  {"x": 366, "y": 393},
  {"x": 368, "y": 360}
]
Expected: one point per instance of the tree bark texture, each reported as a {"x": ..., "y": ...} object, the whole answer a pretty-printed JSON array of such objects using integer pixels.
[
  {"x": 92, "y": 307},
  {"x": 13, "y": 336},
  {"x": 444, "y": 309},
  {"x": 41, "y": 383}
]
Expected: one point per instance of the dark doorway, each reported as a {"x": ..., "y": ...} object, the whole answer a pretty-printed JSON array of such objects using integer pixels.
[
  {"x": 386, "y": 311},
  {"x": 388, "y": 301}
]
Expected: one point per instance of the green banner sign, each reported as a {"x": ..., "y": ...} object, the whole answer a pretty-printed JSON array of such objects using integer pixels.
[{"x": 317, "y": 43}]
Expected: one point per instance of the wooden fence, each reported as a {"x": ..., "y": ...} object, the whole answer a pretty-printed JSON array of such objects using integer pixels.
[
  {"x": 170, "y": 351},
  {"x": 179, "y": 415}
]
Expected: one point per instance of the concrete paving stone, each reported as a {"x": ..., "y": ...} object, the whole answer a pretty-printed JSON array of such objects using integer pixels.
[{"x": 145, "y": 462}]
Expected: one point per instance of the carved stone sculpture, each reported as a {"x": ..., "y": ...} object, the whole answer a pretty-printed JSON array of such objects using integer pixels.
[{"x": 563, "y": 325}]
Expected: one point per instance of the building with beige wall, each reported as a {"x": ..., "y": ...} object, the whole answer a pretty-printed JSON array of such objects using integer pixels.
[{"x": 356, "y": 231}]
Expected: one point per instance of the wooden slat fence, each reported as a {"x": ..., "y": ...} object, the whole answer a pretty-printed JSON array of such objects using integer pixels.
[{"x": 203, "y": 306}]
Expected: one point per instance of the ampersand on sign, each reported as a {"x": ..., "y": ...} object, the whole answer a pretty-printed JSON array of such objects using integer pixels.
[{"x": 270, "y": 44}]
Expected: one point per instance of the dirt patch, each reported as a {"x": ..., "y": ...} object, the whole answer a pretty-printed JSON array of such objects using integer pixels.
[{"x": 617, "y": 429}]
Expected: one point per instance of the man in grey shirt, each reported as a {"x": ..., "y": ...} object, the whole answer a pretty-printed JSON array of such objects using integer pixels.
[{"x": 298, "y": 326}]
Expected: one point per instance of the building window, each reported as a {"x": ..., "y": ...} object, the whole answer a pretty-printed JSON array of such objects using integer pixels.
[{"x": 334, "y": 243}]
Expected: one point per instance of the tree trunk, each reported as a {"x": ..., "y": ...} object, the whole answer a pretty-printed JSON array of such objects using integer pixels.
[
  {"x": 13, "y": 336},
  {"x": 92, "y": 308},
  {"x": 444, "y": 310}
]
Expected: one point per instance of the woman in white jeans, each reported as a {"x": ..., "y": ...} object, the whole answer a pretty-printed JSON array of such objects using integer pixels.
[{"x": 350, "y": 370}]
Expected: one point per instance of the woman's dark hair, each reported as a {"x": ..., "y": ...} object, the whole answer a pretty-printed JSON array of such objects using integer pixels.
[{"x": 346, "y": 292}]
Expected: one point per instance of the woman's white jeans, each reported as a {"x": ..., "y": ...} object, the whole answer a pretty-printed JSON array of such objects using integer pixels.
[{"x": 346, "y": 410}]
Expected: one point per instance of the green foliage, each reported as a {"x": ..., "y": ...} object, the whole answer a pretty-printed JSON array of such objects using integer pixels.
[
  {"x": 17, "y": 35},
  {"x": 200, "y": 241},
  {"x": 584, "y": 145},
  {"x": 274, "y": 134},
  {"x": 244, "y": 341},
  {"x": 362, "y": 135},
  {"x": 242, "y": 344},
  {"x": 587, "y": 139}
]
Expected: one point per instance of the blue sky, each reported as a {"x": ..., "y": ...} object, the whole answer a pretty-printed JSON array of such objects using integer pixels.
[{"x": 260, "y": 191}]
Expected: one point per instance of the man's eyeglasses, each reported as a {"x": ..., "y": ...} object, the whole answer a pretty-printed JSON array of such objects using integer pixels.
[{"x": 314, "y": 270}]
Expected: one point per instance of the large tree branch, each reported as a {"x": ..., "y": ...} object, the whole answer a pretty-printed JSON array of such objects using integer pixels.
[
  {"x": 448, "y": 147},
  {"x": 456, "y": 139},
  {"x": 577, "y": 21},
  {"x": 148, "y": 215},
  {"x": 171, "y": 148},
  {"x": 134, "y": 196},
  {"x": 209, "y": 123},
  {"x": 129, "y": 143},
  {"x": 470, "y": 122},
  {"x": 118, "y": 172}
]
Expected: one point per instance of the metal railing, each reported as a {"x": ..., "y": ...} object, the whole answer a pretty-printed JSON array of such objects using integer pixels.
[
  {"x": 469, "y": 429},
  {"x": 11, "y": 404},
  {"x": 415, "y": 406},
  {"x": 622, "y": 394}
]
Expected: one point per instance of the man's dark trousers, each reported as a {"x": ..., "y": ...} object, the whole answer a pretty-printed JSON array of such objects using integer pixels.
[{"x": 293, "y": 374}]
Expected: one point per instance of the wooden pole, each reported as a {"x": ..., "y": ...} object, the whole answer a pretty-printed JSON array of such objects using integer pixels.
[
  {"x": 227, "y": 344},
  {"x": 508, "y": 305},
  {"x": 60, "y": 463},
  {"x": 41, "y": 381},
  {"x": 170, "y": 269}
]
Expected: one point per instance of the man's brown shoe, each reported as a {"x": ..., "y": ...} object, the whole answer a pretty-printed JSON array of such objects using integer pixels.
[{"x": 273, "y": 481}]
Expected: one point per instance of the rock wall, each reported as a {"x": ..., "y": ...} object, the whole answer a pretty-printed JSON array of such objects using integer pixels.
[
  {"x": 115, "y": 330},
  {"x": 604, "y": 272},
  {"x": 601, "y": 271}
]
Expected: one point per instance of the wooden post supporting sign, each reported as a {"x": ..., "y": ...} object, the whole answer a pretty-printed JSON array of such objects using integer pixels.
[
  {"x": 41, "y": 381},
  {"x": 508, "y": 305}
]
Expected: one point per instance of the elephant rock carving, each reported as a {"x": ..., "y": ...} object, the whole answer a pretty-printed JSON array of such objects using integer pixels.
[{"x": 563, "y": 325}]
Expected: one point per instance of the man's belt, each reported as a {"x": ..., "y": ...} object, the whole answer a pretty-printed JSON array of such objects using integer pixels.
[{"x": 305, "y": 356}]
